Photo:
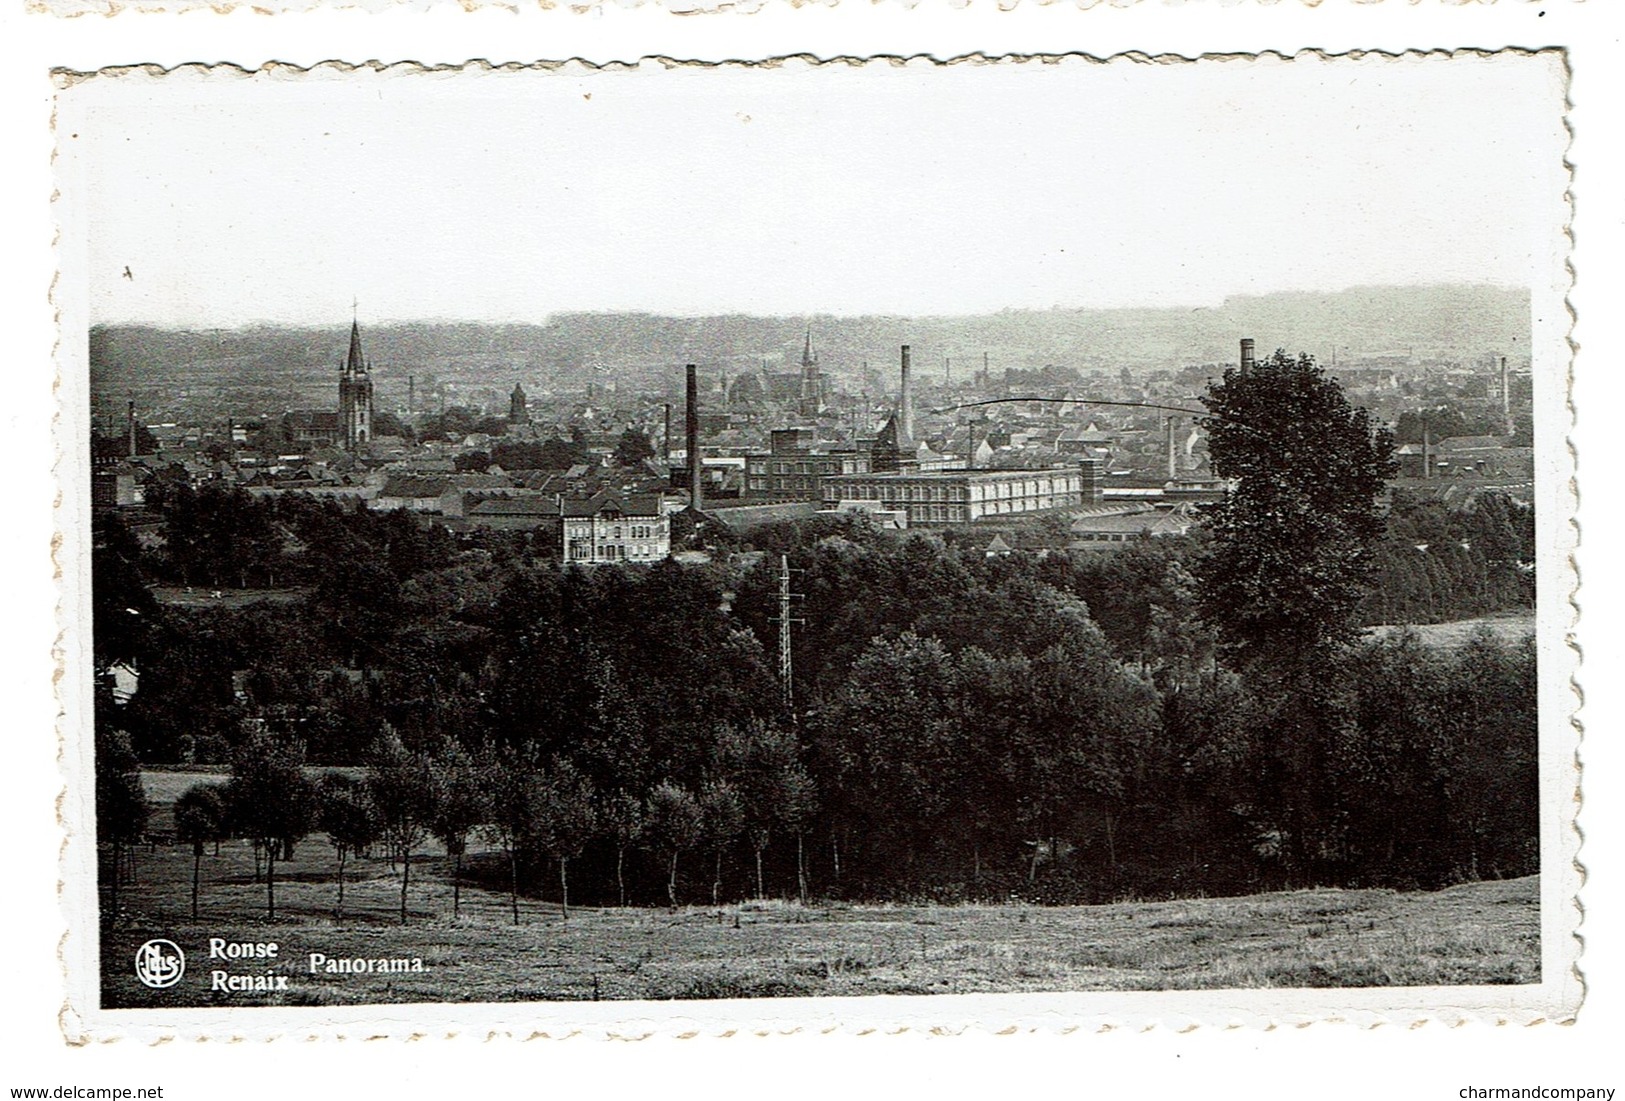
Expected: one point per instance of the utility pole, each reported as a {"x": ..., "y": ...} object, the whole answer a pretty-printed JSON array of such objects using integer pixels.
[
  {"x": 1427, "y": 449},
  {"x": 785, "y": 619}
]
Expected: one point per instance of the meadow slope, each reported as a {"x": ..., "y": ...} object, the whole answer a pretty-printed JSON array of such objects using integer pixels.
[{"x": 1469, "y": 934}]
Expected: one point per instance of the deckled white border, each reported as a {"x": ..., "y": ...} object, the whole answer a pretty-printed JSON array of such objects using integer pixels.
[
  {"x": 76, "y": 8},
  {"x": 1555, "y": 999}
]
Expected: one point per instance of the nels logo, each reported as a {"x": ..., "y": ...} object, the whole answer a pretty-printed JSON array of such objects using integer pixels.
[{"x": 160, "y": 963}]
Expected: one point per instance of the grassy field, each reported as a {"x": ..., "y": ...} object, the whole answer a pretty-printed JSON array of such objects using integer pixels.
[
  {"x": 1507, "y": 626},
  {"x": 202, "y": 596},
  {"x": 1475, "y": 933}
]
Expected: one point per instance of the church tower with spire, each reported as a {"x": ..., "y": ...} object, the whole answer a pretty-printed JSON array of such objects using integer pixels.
[
  {"x": 812, "y": 382},
  {"x": 355, "y": 394}
]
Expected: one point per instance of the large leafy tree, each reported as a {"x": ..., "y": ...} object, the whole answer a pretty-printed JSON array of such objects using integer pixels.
[
  {"x": 633, "y": 447},
  {"x": 1294, "y": 541}
]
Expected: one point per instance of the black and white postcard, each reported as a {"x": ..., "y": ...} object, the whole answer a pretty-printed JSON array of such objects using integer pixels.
[{"x": 1024, "y": 538}]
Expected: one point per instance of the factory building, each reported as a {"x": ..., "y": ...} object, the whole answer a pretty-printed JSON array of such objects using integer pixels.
[
  {"x": 795, "y": 464},
  {"x": 939, "y": 498}
]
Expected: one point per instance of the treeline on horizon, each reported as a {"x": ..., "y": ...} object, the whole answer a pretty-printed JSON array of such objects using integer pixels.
[
  {"x": 1385, "y": 319},
  {"x": 1065, "y": 728}
]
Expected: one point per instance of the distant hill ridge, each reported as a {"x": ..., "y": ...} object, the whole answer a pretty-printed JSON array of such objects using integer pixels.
[{"x": 1450, "y": 320}]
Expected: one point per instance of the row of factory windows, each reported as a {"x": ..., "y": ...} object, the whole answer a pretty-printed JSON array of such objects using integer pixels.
[
  {"x": 891, "y": 491},
  {"x": 824, "y": 466},
  {"x": 886, "y": 491},
  {"x": 781, "y": 485}
]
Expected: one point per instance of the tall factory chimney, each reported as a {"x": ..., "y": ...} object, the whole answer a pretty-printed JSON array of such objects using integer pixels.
[
  {"x": 129, "y": 427},
  {"x": 1506, "y": 396},
  {"x": 907, "y": 403},
  {"x": 1246, "y": 356},
  {"x": 1173, "y": 452},
  {"x": 691, "y": 423},
  {"x": 411, "y": 394},
  {"x": 665, "y": 441}
]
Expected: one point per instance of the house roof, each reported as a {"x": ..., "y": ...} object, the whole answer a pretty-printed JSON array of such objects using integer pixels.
[
  {"x": 1156, "y": 522},
  {"x": 415, "y": 485},
  {"x": 315, "y": 420},
  {"x": 892, "y": 437},
  {"x": 1091, "y": 434},
  {"x": 1470, "y": 443},
  {"x": 627, "y": 504},
  {"x": 516, "y": 506},
  {"x": 473, "y": 480}
]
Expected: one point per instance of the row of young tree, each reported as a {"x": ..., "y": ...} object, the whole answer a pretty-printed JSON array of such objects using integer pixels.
[
  {"x": 1184, "y": 715},
  {"x": 538, "y": 812}
]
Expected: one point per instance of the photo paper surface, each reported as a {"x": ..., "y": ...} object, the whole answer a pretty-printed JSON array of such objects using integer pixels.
[{"x": 1028, "y": 539}]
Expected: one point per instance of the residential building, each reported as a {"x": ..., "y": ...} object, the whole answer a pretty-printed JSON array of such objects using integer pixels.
[{"x": 614, "y": 528}]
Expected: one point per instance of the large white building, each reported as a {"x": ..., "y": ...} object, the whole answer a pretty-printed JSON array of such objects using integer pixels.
[
  {"x": 963, "y": 496},
  {"x": 612, "y": 527}
]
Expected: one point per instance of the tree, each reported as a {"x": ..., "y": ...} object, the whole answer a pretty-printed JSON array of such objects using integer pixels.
[
  {"x": 513, "y": 784},
  {"x": 893, "y": 739},
  {"x": 722, "y": 817},
  {"x": 1295, "y": 540},
  {"x": 270, "y": 800},
  {"x": 633, "y": 448},
  {"x": 622, "y": 818},
  {"x": 676, "y": 823},
  {"x": 460, "y": 804},
  {"x": 348, "y": 818},
  {"x": 557, "y": 454},
  {"x": 402, "y": 789},
  {"x": 121, "y": 802},
  {"x": 775, "y": 790},
  {"x": 568, "y": 819},
  {"x": 200, "y": 817}
]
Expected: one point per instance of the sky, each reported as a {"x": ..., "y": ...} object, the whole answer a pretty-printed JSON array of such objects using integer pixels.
[{"x": 219, "y": 201}]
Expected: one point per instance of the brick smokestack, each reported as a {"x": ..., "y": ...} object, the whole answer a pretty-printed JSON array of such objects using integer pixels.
[
  {"x": 907, "y": 404},
  {"x": 691, "y": 422},
  {"x": 1090, "y": 465},
  {"x": 129, "y": 427},
  {"x": 1173, "y": 452},
  {"x": 665, "y": 441},
  {"x": 1246, "y": 356},
  {"x": 1506, "y": 396}
]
